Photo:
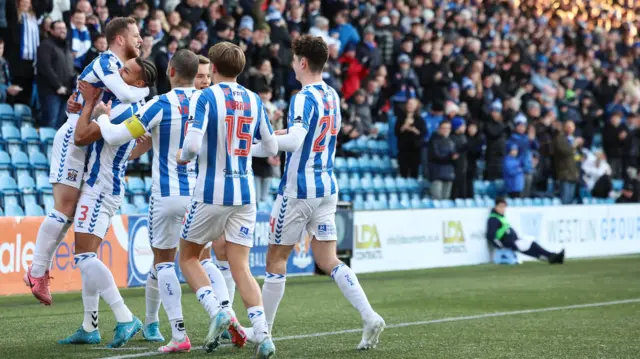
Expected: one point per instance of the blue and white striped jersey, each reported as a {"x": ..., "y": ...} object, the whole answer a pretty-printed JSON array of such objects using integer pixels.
[
  {"x": 165, "y": 117},
  {"x": 230, "y": 117},
  {"x": 308, "y": 172},
  {"x": 106, "y": 164},
  {"x": 102, "y": 73}
]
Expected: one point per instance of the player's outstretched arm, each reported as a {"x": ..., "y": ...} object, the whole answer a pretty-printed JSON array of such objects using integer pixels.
[
  {"x": 268, "y": 146},
  {"x": 134, "y": 127},
  {"x": 87, "y": 132},
  {"x": 106, "y": 69}
]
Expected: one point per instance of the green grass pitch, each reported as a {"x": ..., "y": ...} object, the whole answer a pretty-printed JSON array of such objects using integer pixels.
[{"x": 315, "y": 305}]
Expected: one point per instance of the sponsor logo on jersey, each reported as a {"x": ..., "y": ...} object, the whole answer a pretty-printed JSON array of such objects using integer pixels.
[
  {"x": 245, "y": 233},
  {"x": 326, "y": 230}
]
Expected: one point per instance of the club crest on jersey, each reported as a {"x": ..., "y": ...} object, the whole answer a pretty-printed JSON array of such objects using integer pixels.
[{"x": 72, "y": 175}]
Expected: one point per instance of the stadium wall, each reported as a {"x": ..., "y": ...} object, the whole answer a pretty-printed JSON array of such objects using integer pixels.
[{"x": 382, "y": 241}]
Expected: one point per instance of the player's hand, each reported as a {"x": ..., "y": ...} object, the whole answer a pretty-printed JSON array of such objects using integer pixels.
[
  {"x": 144, "y": 138},
  {"x": 72, "y": 105},
  {"x": 90, "y": 93},
  {"x": 280, "y": 132},
  {"x": 178, "y": 155},
  {"x": 102, "y": 109}
]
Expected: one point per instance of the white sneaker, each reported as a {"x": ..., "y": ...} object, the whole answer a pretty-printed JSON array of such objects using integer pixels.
[{"x": 373, "y": 326}]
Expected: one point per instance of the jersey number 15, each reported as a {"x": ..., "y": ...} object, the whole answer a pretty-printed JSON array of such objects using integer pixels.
[{"x": 239, "y": 133}]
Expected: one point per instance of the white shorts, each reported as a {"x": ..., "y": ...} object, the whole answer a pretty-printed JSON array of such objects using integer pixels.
[
  {"x": 292, "y": 218},
  {"x": 205, "y": 223},
  {"x": 94, "y": 211},
  {"x": 165, "y": 220},
  {"x": 67, "y": 159}
]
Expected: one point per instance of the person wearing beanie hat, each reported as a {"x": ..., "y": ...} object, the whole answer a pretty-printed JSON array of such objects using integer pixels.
[
  {"x": 513, "y": 172},
  {"x": 525, "y": 142}
]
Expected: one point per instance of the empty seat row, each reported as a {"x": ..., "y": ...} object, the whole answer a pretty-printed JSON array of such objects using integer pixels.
[
  {"x": 17, "y": 114},
  {"x": 375, "y": 164}
]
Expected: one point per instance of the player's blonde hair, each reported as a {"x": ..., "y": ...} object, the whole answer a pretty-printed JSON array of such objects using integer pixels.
[{"x": 228, "y": 59}]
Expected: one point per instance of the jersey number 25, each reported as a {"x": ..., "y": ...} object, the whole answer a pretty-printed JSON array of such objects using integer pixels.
[
  {"x": 239, "y": 133},
  {"x": 328, "y": 122}
]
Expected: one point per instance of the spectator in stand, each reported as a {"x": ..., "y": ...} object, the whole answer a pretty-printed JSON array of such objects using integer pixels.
[
  {"x": 80, "y": 39},
  {"x": 525, "y": 139},
  {"x": 495, "y": 131},
  {"x": 459, "y": 188},
  {"x": 6, "y": 88},
  {"x": 368, "y": 51},
  {"x": 442, "y": 154},
  {"x": 162, "y": 62},
  {"x": 410, "y": 129},
  {"x": 597, "y": 174},
  {"x": 191, "y": 11},
  {"x": 513, "y": 172},
  {"x": 154, "y": 28},
  {"x": 23, "y": 40},
  {"x": 627, "y": 195},
  {"x": 614, "y": 142},
  {"x": 591, "y": 118},
  {"x": 346, "y": 33},
  {"x": 475, "y": 145},
  {"x": 354, "y": 72},
  {"x": 359, "y": 107},
  {"x": 56, "y": 75},
  {"x": 564, "y": 152},
  {"x": 99, "y": 45}
]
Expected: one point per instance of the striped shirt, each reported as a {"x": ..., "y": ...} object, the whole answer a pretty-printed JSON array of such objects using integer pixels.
[
  {"x": 105, "y": 68},
  {"x": 106, "y": 164},
  {"x": 308, "y": 172},
  {"x": 30, "y": 37},
  {"x": 165, "y": 117},
  {"x": 80, "y": 44},
  {"x": 230, "y": 117}
]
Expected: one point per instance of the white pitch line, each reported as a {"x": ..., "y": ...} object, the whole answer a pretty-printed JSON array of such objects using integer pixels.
[{"x": 425, "y": 322}]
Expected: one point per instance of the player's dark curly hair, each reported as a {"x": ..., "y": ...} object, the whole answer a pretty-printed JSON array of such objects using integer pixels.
[
  {"x": 314, "y": 49},
  {"x": 149, "y": 72}
]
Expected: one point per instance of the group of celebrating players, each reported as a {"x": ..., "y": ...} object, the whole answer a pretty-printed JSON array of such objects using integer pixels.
[{"x": 203, "y": 138}]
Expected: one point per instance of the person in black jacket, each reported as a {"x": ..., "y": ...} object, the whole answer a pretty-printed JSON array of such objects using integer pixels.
[
  {"x": 475, "y": 144},
  {"x": 501, "y": 235},
  {"x": 442, "y": 154},
  {"x": 410, "y": 128},
  {"x": 56, "y": 75},
  {"x": 495, "y": 131},
  {"x": 460, "y": 189},
  {"x": 99, "y": 45}
]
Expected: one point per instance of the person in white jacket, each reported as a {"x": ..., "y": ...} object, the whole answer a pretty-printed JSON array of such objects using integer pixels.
[{"x": 597, "y": 174}]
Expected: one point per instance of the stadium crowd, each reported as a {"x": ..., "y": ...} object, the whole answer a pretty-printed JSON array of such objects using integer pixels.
[{"x": 513, "y": 91}]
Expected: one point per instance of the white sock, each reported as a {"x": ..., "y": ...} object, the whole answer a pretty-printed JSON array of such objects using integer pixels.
[
  {"x": 228, "y": 279},
  {"x": 350, "y": 287},
  {"x": 208, "y": 299},
  {"x": 171, "y": 295},
  {"x": 90, "y": 298},
  {"x": 272, "y": 293},
  {"x": 97, "y": 272},
  {"x": 259, "y": 323},
  {"x": 49, "y": 236},
  {"x": 152, "y": 297},
  {"x": 218, "y": 282}
]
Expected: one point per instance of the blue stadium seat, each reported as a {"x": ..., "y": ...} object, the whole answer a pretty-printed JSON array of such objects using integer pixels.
[
  {"x": 383, "y": 128},
  {"x": 404, "y": 196},
  {"x": 390, "y": 184},
  {"x": 546, "y": 201},
  {"x": 47, "y": 135},
  {"x": 469, "y": 203},
  {"x": 143, "y": 209},
  {"x": 377, "y": 164},
  {"x": 426, "y": 203},
  {"x": 144, "y": 160},
  {"x": 368, "y": 206},
  {"x": 22, "y": 113},
  {"x": 5, "y": 164},
  {"x": 383, "y": 147},
  {"x": 518, "y": 202},
  {"x": 479, "y": 187},
  {"x": 367, "y": 184},
  {"x": 140, "y": 200},
  {"x": 148, "y": 182},
  {"x": 378, "y": 184},
  {"x": 345, "y": 197},
  {"x": 263, "y": 206},
  {"x": 353, "y": 165},
  {"x": 13, "y": 210},
  {"x": 135, "y": 185},
  {"x": 447, "y": 203},
  {"x": 358, "y": 202},
  {"x": 20, "y": 163},
  {"x": 537, "y": 202},
  {"x": 43, "y": 185},
  {"x": 480, "y": 201},
  {"x": 394, "y": 203},
  {"x": 617, "y": 185},
  {"x": 372, "y": 147},
  {"x": 275, "y": 183},
  {"x": 6, "y": 113},
  {"x": 33, "y": 209},
  {"x": 364, "y": 162},
  {"x": 394, "y": 165},
  {"x": 401, "y": 183},
  {"x": 415, "y": 203},
  {"x": 361, "y": 144},
  {"x": 128, "y": 208},
  {"x": 31, "y": 138},
  {"x": 413, "y": 185},
  {"x": 26, "y": 184},
  {"x": 386, "y": 165},
  {"x": 48, "y": 202},
  {"x": 610, "y": 201},
  {"x": 9, "y": 191},
  {"x": 436, "y": 203},
  {"x": 340, "y": 165},
  {"x": 354, "y": 184},
  {"x": 405, "y": 204},
  {"x": 39, "y": 164},
  {"x": 509, "y": 202},
  {"x": 12, "y": 138},
  {"x": 459, "y": 202},
  {"x": 1, "y": 212},
  {"x": 343, "y": 184},
  {"x": 556, "y": 201},
  {"x": 589, "y": 200},
  {"x": 527, "y": 202}
]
